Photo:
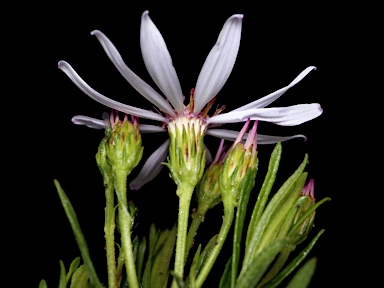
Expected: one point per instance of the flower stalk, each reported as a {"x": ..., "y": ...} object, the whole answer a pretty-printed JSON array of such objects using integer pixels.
[
  {"x": 125, "y": 223},
  {"x": 185, "y": 194},
  {"x": 109, "y": 225},
  {"x": 207, "y": 195}
]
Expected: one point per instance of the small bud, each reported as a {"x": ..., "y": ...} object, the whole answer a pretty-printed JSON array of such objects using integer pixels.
[
  {"x": 103, "y": 164},
  {"x": 305, "y": 202},
  {"x": 123, "y": 147},
  {"x": 208, "y": 190},
  {"x": 241, "y": 160},
  {"x": 186, "y": 160}
]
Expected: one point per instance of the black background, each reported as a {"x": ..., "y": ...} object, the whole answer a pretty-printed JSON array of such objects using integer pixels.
[{"x": 277, "y": 44}]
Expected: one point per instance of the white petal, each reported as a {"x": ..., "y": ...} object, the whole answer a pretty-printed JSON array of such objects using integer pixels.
[
  {"x": 285, "y": 116},
  {"x": 143, "y": 88},
  {"x": 268, "y": 139},
  {"x": 88, "y": 121},
  {"x": 219, "y": 63},
  {"x": 151, "y": 168},
  {"x": 145, "y": 128},
  {"x": 231, "y": 135},
  {"x": 76, "y": 79},
  {"x": 208, "y": 155},
  {"x": 159, "y": 63},
  {"x": 266, "y": 100}
]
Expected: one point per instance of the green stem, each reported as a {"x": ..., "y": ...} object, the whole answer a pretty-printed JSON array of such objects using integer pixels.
[
  {"x": 185, "y": 194},
  {"x": 125, "y": 222},
  {"x": 197, "y": 218},
  {"x": 109, "y": 232},
  {"x": 229, "y": 213}
]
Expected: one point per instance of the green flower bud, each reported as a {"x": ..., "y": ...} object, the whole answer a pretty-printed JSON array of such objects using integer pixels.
[
  {"x": 307, "y": 200},
  {"x": 123, "y": 147},
  {"x": 208, "y": 190},
  {"x": 186, "y": 160},
  {"x": 103, "y": 164},
  {"x": 241, "y": 160}
]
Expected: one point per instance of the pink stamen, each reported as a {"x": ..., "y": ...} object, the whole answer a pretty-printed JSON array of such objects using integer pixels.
[
  {"x": 117, "y": 118},
  {"x": 312, "y": 189},
  {"x": 309, "y": 190},
  {"x": 219, "y": 152},
  {"x": 111, "y": 119},
  {"x": 252, "y": 138},
  {"x": 242, "y": 133}
]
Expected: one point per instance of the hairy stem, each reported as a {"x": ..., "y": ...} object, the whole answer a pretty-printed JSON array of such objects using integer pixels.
[
  {"x": 197, "y": 218},
  {"x": 125, "y": 222},
  {"x": 227, "y": 222},
  {"x": 185, "y": 194},
  {"x": 109, "y": 232}
]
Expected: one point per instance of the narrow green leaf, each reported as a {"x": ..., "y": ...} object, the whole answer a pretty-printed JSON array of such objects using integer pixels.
[
  {"x": 74, "y": 265},
  {"x": 302, "y": 277},
  {"x": 62, "y": 283},
  {"x": 293, "y": 264},
  {"x": 140, "y": 258},
  {"x": 135, "y": 246},
  {"x": 262, "y": 198},
  {"x": 163, "y": 254},
  {"x": 71, "y": 215},
  {"x": 192, "y": 272},
  {"x": 225, "y": 281},
  {"x": 204, "y": 255},
  {"x": 285, "y": 252},
  {"x": 246, "y": 188},
  {"x": 253, "y": 247},
  {"x": 252, "y": 275},
  {"x": 290, "y": 216},
  {"x": 279, "y": 214},
  {"x": 43, "y": 284},
  {"x": 153, "y": 236},
  {"x": 307, "y": 213}
]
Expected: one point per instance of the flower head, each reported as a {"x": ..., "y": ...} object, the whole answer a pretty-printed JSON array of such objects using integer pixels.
[
  {"x": 214, "y": 73},
  {"x": 240, "y": 166},
  {"x": 208, "y": 190},
  {"x": 303, "y": 204},
  {"x": 121, "y": 146}
]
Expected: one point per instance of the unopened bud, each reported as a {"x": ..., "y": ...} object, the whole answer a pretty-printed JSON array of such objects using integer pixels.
[
  {"x": 305, "y": 202},
  {"x": 239, "y": 165},
  {"x": 124, "y": 149},
  {"x": 208, "y": 190}
]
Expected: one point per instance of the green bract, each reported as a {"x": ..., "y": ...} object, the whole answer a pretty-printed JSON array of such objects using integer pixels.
[
  {"x": 186, "y": 160},
  {"x": 208, "y": 191},
  {"x": 123, "y": 147},
  {"x": 237, "y": 163}
]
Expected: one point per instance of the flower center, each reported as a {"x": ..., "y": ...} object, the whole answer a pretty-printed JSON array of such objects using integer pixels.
[{"x": 192, "y": 125}]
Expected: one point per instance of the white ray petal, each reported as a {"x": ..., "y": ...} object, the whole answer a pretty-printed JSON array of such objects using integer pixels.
[
  {"x": 266, "y": 100},
  {"x": 151, "y": 168},
  {"x": 88, "y": 121},
  {"x": 219, "y": 63},
  {"x": 159, "y": 63},
  {"x": 268, "y": 139},
  {"x": 145, "y": 128},
  {"x": 143, "y": 88},
  {"x": 208, "y": 155},
  {"x": 231, "y": 135},
  {"x": 80, "y": 83},
  {"x": 285, "y": 116}
]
